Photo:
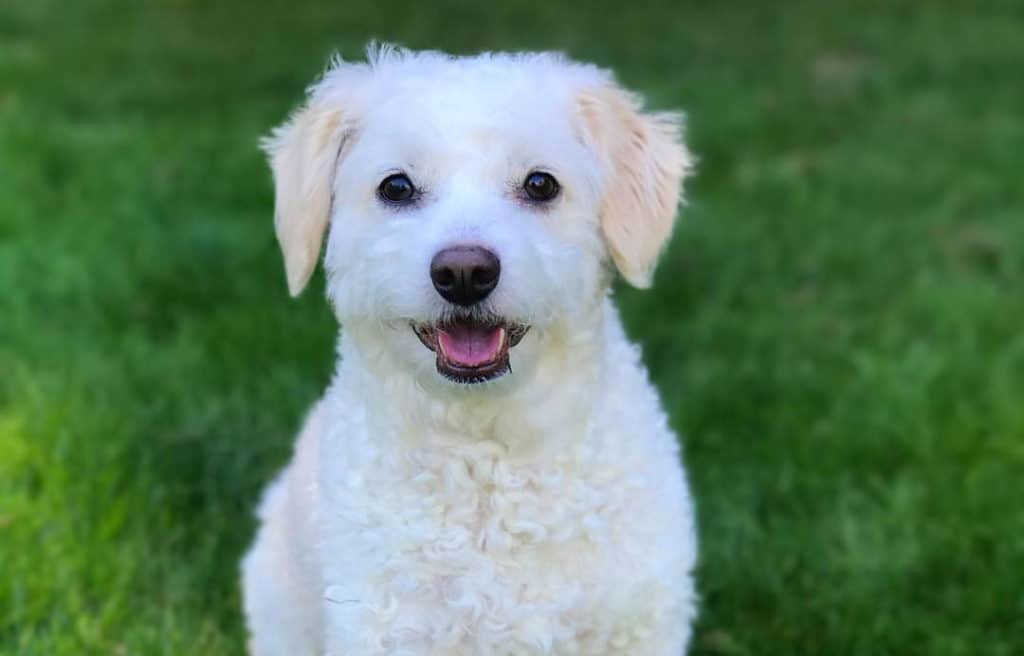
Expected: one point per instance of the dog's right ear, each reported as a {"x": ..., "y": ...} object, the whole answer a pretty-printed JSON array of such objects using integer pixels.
[{"x": 303, "y": 155}]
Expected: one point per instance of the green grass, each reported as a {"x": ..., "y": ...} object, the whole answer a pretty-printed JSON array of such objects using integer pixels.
[{"x": 837, "y": 329}]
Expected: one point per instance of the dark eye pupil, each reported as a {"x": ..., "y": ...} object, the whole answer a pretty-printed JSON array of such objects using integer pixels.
[
  {"x": 540, "y": 186},
  {"x": 396, "y": 188}
]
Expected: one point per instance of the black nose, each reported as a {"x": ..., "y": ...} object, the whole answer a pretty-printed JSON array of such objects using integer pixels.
[{"x": 465, "y": 275}]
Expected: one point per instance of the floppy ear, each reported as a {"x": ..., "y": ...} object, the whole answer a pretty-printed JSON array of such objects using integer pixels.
[
  {"x": 303, "y": 154},
  {"x": 644, "y": 163}
]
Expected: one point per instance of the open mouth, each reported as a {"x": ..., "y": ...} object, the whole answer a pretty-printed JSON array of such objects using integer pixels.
[{"x": 470, "y": 350}]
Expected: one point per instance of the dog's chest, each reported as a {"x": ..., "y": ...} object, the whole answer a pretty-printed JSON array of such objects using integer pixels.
[{"x": 462, "y": 549}]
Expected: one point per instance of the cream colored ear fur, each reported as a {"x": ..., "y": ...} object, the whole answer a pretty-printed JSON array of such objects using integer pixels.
[
  {"x": 303, "y": 155},
  {"x": 644, "y": 163}
]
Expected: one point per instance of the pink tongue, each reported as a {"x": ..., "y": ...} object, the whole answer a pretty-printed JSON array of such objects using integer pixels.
[{"x": 470, "y": 346}]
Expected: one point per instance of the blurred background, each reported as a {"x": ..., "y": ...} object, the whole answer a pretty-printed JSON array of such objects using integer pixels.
[{"x": 837, "y": 329}]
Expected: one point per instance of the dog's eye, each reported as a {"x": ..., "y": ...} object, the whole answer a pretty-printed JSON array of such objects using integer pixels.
[
  {"x": 397, "y": 188},
  {"x": 540, "y": 186}
]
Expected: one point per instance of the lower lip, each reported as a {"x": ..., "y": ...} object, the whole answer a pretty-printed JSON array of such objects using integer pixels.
[{"x": 490, "y": 372}]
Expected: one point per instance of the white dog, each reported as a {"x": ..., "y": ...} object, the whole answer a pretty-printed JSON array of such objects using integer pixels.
[{"x": 490, "y": 471}]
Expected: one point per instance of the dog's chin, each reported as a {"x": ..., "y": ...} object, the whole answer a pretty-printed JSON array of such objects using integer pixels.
[{"x": 470, "y": 350}]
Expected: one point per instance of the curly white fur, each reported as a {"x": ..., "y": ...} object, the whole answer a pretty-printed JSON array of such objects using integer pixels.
[{"x": 545, "y": 512}]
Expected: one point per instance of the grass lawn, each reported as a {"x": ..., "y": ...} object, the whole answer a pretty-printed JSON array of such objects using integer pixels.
[{"x": 837, "y": 329}]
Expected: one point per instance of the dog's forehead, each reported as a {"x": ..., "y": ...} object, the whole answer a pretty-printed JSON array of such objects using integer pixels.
[
  {"x": 494, "y": 115},
  {"x": 449, "y": 129},
  {"x": 472, "y": 105}
]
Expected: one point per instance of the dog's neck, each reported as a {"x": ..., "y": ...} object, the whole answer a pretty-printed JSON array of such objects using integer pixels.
[{"x": 547, "y": 402}]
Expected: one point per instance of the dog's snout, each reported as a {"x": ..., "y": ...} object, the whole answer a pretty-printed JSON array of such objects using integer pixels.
[{"x": 465, "y": 275}]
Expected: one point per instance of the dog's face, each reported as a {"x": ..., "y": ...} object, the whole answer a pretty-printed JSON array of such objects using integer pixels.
[{"x": 474, "y": 205}]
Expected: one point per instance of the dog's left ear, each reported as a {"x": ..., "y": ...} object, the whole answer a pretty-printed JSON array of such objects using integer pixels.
[
  {"x": 303, "y": 155},
  {"x": 643, "y": 162}
]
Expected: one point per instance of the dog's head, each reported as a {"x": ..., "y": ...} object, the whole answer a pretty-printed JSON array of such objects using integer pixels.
[{"x": 475, "y": 205}]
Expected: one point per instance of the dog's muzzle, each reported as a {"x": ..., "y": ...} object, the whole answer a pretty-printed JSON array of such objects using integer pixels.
[{"x": 470, "y": 348}]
